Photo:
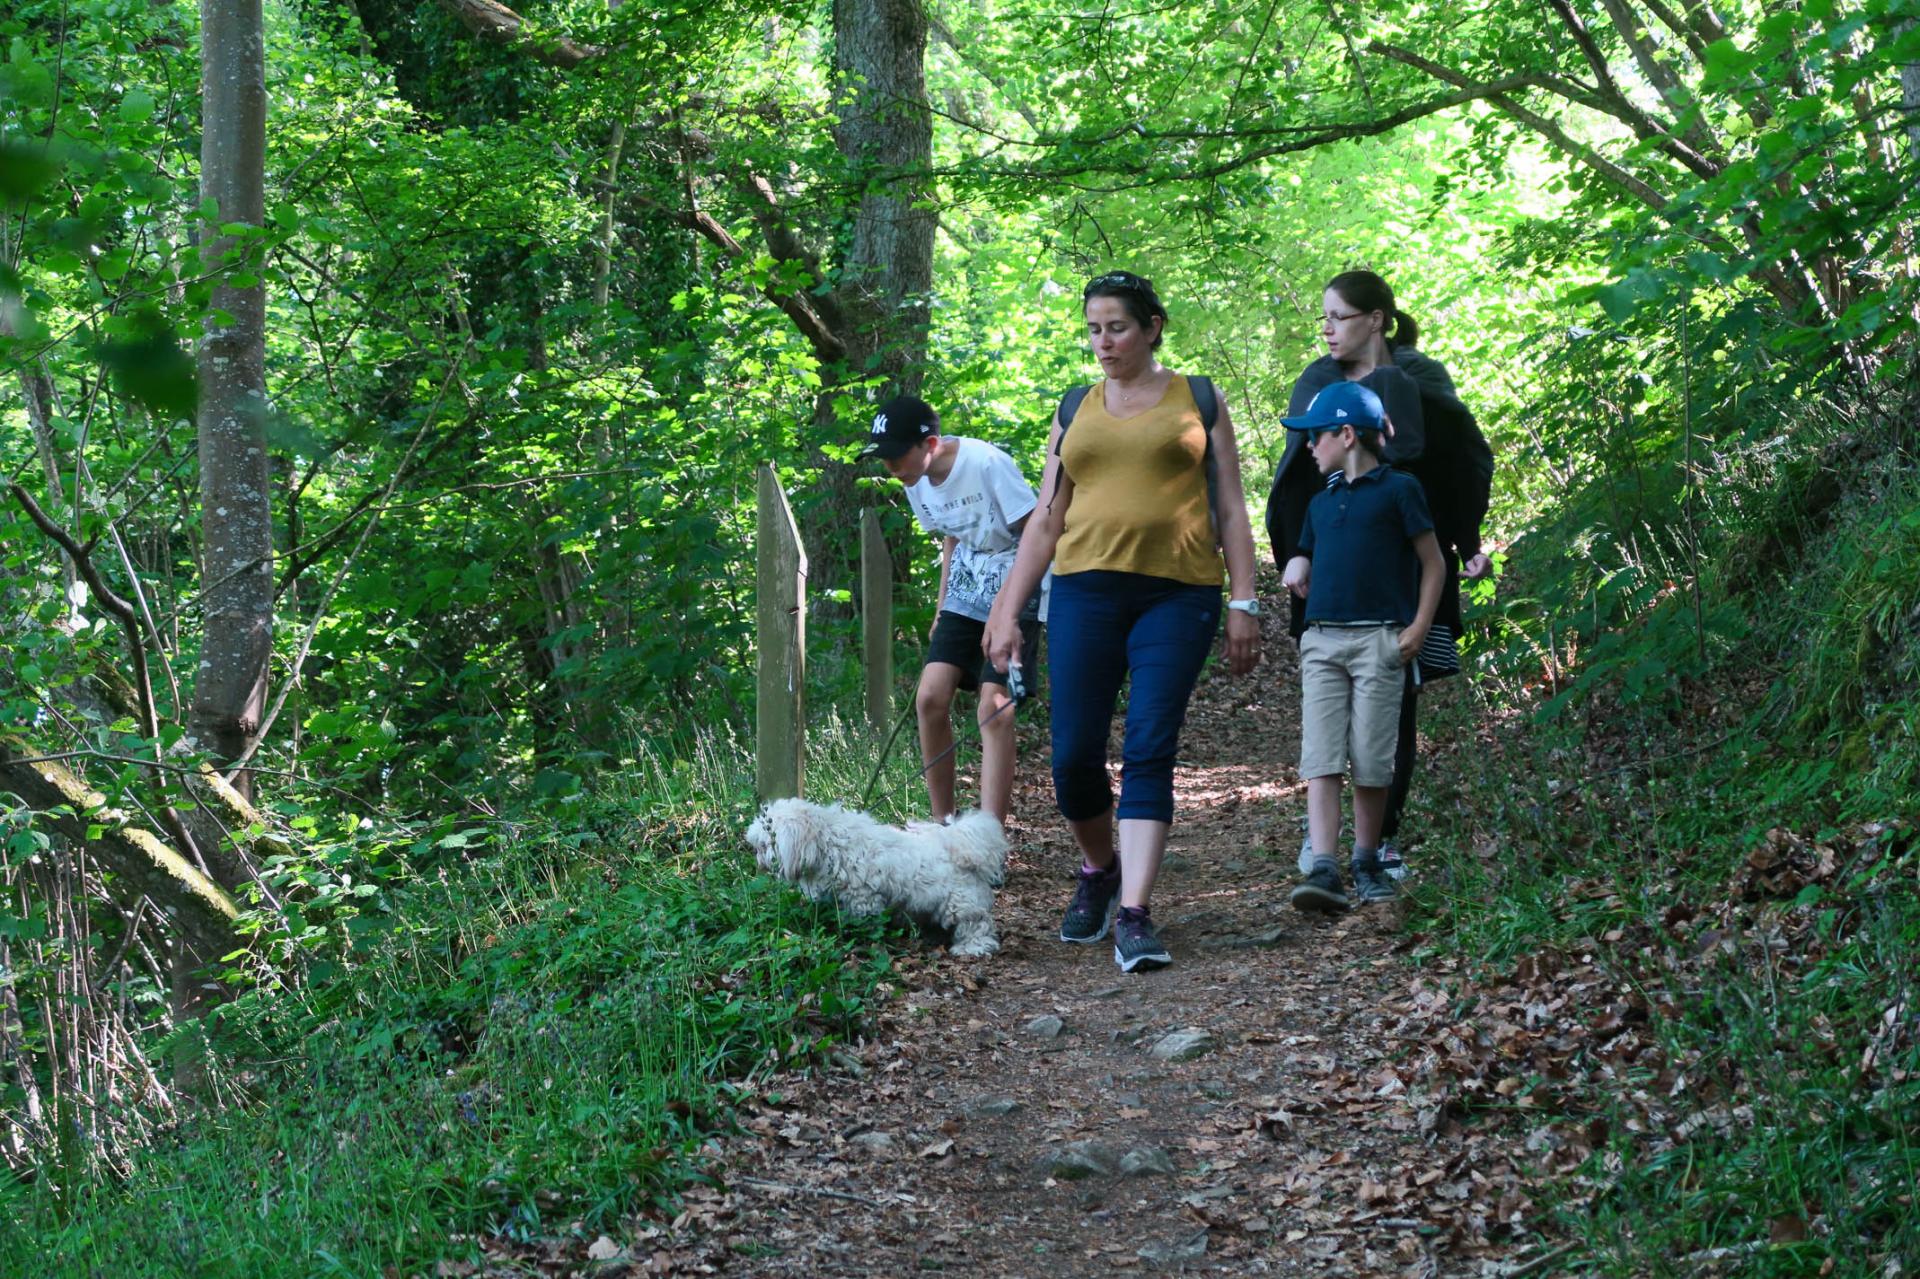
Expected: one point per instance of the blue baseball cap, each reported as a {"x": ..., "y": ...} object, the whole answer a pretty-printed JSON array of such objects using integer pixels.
[{"x": 1342, "y": 404}]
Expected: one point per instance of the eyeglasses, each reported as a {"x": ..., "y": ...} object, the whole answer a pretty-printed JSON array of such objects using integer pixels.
[{"x": 1332, "y": 318}]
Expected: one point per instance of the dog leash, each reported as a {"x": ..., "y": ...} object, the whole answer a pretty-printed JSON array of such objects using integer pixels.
[{"x": 1017, "y": 690}]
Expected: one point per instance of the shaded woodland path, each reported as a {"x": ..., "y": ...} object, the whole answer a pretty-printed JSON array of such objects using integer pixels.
[{"x": 1010, "y": 1117}]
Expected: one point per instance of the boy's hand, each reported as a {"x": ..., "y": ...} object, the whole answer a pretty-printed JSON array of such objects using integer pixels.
[
  {"x": 1411, "y": 638},
  {"x": 1298, "y": 576}
]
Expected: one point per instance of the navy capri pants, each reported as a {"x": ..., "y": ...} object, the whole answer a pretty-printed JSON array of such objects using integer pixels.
[{"x": 1104, "y": 627}]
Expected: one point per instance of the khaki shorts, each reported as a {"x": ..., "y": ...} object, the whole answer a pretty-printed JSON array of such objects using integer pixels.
[{"x": 1350, "y": 684}]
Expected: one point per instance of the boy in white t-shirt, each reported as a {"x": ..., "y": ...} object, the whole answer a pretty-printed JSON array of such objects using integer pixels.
[{"x": 973, "y": 496}]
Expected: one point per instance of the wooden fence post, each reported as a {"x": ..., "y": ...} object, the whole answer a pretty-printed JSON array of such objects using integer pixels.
[
  {"x": 876, "y": 619},
  {"x": 780, "y": 638}
]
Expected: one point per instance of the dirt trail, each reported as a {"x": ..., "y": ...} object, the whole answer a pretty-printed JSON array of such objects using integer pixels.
[{"x": 974, "y": 1134}]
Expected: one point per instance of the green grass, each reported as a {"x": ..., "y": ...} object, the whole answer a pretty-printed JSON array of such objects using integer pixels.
[{"x": 539, "y": 1044}]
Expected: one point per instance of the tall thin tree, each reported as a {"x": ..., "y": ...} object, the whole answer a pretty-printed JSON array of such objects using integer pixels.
[{"x": 235, "y": 498}]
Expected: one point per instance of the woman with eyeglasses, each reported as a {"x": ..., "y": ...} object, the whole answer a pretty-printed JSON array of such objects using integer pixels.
[
  {"x": 1371, "y": 341},
  {"x": 1141, "y": 500}
]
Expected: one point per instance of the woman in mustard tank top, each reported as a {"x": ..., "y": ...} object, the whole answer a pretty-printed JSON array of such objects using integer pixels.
[{"x": 1125, "y": 520}]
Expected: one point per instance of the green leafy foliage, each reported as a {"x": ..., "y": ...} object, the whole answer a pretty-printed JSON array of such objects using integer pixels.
[{"x": 544, "y": 1040}]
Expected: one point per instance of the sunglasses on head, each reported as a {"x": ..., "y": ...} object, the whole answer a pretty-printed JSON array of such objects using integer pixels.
[{"x": 1116, "y": 280}]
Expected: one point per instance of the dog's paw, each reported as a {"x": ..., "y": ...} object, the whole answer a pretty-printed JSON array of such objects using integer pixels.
[{"x": 974, "y": 942}]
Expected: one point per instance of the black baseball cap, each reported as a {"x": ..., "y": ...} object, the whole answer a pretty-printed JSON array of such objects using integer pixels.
[{"x": 901, "y": 423}]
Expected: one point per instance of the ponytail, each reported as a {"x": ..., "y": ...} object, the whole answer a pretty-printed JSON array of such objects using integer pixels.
[{"x": 1405, "y": 331}]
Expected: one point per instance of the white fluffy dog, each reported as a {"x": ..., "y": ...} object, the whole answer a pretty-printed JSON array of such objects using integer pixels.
[{"x": 942, "y": 876}]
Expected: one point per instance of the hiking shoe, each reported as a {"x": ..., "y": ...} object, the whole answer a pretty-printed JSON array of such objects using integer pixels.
[
  {"x": 1321, "y": 891},
  {"x": 1091, "y": 910},
  {"x": 1371, "y": 882},
  {"x": 1306, "y": 854},
  {"x": 1392, "y": 864},
  {"x": 1134, "y": 944}
]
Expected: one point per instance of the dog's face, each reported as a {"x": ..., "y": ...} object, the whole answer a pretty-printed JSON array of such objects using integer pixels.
[
  {"x": 782, "y": 838},
  {"x": 760, "y": 840}
]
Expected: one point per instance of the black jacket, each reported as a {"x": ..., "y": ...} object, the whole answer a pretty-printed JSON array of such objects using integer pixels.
[{"x": 1435, "y": 439}]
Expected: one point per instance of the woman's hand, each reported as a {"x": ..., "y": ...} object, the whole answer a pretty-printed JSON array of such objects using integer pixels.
[
  {"x": 1243, "y": 642},
  {"x": 1000, "y": 641},
  {"x": 1477, "y": 567}
]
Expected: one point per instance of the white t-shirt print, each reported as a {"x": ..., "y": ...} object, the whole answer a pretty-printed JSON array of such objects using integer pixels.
[{"x": 978, "y": 503}]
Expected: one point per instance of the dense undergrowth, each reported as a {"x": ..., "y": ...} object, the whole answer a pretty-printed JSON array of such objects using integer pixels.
[
  {"x": 1675, "y": 835},
  {"x": 539, "y": 1043}
]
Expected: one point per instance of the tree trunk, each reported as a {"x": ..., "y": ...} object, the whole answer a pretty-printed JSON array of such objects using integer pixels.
[
  {"x": 235, "y": 503},
  {"x": 142, "y": 865},
  {"x": 885, "y": 133},
  {"x": 1910, "y": 100}
]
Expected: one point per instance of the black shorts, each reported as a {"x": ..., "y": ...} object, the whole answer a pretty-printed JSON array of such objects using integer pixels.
[{"x": 956, "y": 642}]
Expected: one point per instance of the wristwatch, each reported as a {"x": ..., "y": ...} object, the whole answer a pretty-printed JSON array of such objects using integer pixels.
[{"x": 1250, "y": 607}]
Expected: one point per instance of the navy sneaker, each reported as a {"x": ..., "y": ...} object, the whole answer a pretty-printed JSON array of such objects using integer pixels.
[
  {"x": 1371, "y": 882},
  {"x": 1091, "y": 910},
  {"x": 1135, "y": 946},
  {"x": 1392, "y": 864},
  {"x": 1321, "y": 891}
]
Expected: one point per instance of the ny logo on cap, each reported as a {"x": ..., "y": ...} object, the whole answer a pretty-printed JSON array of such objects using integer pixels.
[{"x": 879, "y": 425}]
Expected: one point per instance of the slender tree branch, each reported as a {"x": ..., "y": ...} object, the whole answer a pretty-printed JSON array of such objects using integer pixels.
[
  {"x": 1469, "y": 92},
  {"x": 1638, "y": 41},
  {"x": 784, "y": 242},
  {"x": 1671, "y": 20},
  {"x": 109, "y": 599},
  {"x": 130, "y": 626},
  {"x": 1497, "y": 92},
  {"x": 496, "y": 24},
  {"x": 827, "y": 346},
  {"x": 1346, "y": 38},
  {"x": 1621, "y": 107}
]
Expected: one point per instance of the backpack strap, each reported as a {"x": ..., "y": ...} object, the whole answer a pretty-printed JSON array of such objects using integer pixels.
[
  {"x": 1069, "y": 407},
  {"x": 1207, "y": 400}
]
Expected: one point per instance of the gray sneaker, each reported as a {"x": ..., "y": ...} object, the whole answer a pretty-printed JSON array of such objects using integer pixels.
[
  {"x": 1391, "y": 862},
  {"x": 1371, "y": 883},
  {"x": 1306, "y": 854},
  {"x": 1135, "y": 946},
  {"x": 1321, "y": 891},
  {"x": 1091, "y": 909}
]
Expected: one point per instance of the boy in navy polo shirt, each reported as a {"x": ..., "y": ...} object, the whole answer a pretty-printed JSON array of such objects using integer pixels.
[{"x": 1370, "y": 570}]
